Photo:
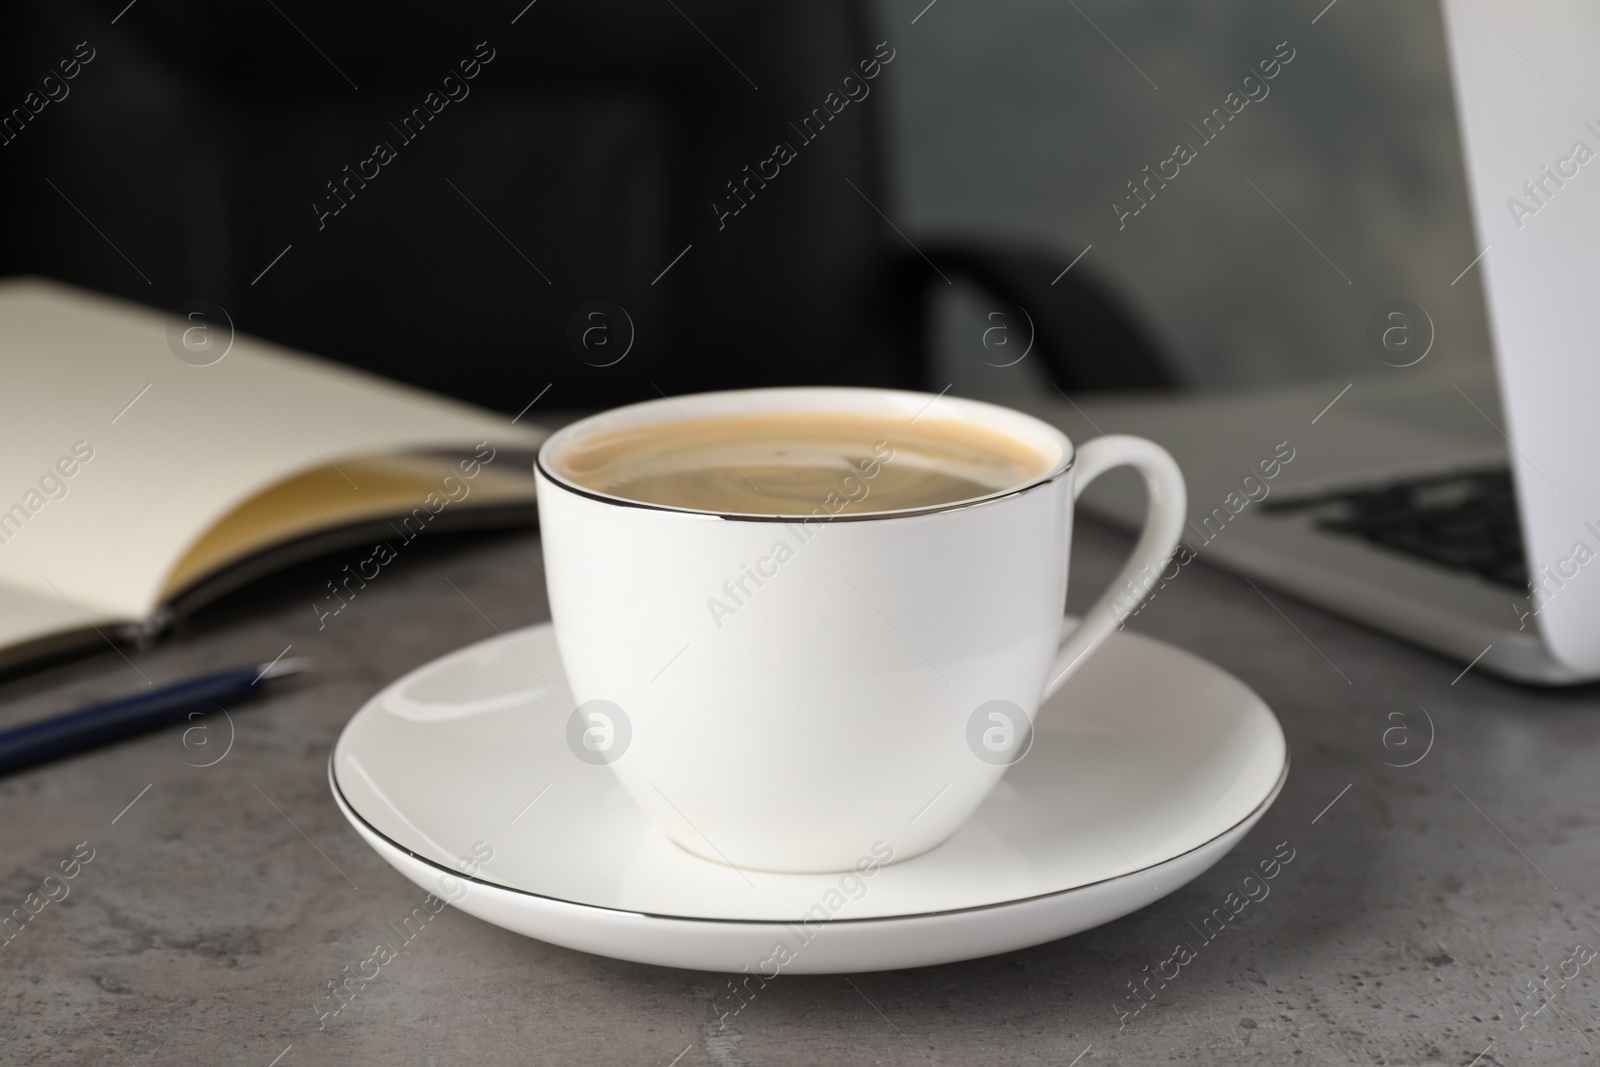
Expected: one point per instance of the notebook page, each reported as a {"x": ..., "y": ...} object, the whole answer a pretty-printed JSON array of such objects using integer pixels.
[{"x": 116, "y": 456}]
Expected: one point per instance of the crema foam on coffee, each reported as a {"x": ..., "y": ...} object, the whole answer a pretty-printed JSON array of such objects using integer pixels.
[{"x": 795, "y": 463}]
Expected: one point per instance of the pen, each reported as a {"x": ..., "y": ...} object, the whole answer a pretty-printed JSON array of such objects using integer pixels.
[{"x": 79, "y": 731}]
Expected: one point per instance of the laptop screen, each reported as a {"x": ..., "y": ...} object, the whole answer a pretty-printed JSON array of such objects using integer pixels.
[{"x": 1529, "y": 101}]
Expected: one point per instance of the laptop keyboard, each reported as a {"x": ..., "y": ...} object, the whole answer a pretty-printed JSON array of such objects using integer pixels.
[{"x": 1466, "y": 521}]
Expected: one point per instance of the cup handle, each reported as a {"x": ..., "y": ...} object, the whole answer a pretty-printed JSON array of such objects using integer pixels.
[{"x": 1165, "y": 515}]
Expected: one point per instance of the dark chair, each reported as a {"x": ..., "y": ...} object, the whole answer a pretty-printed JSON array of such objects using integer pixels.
[{"x": 719, "y": 180}]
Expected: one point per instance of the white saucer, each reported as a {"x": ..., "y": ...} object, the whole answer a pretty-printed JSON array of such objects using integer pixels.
[{"x": 1146, "y": 768}]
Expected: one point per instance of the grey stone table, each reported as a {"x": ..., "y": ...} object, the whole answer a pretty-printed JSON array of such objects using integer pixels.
[{"x": 216, "y": 909}]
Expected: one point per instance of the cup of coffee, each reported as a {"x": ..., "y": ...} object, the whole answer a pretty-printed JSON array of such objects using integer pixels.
[{"x": 807, "y": 627}]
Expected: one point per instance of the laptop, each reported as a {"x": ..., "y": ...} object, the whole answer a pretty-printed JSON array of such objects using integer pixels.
[{"x": 1459, "y": 512}]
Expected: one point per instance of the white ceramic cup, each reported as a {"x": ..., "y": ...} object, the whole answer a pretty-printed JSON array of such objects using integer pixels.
[{"x": 876, "y": 674}]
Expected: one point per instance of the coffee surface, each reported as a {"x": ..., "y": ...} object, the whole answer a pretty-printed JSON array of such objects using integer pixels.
[{"x": 800, "y": 463}]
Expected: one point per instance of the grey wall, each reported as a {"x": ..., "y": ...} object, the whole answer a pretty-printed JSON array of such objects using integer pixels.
[{"x": 1018, "y": 118}]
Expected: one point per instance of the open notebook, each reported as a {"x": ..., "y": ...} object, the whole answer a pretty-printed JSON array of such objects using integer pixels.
[{"x": 135, "y": 486}]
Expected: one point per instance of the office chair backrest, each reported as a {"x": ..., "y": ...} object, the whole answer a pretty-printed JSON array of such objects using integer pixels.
[{"x": 606, "y": 198}]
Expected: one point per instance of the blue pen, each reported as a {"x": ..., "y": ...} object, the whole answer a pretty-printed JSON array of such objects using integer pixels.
[{"x": 78, "y": 731}]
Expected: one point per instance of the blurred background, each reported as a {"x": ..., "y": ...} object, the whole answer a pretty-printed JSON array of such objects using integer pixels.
[
  {"x": 1019, "y": 118},
  {"x": 588, "y": 159}
]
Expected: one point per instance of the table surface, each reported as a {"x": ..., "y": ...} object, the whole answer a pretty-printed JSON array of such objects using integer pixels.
[{"x": 1428, "y": 917}]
